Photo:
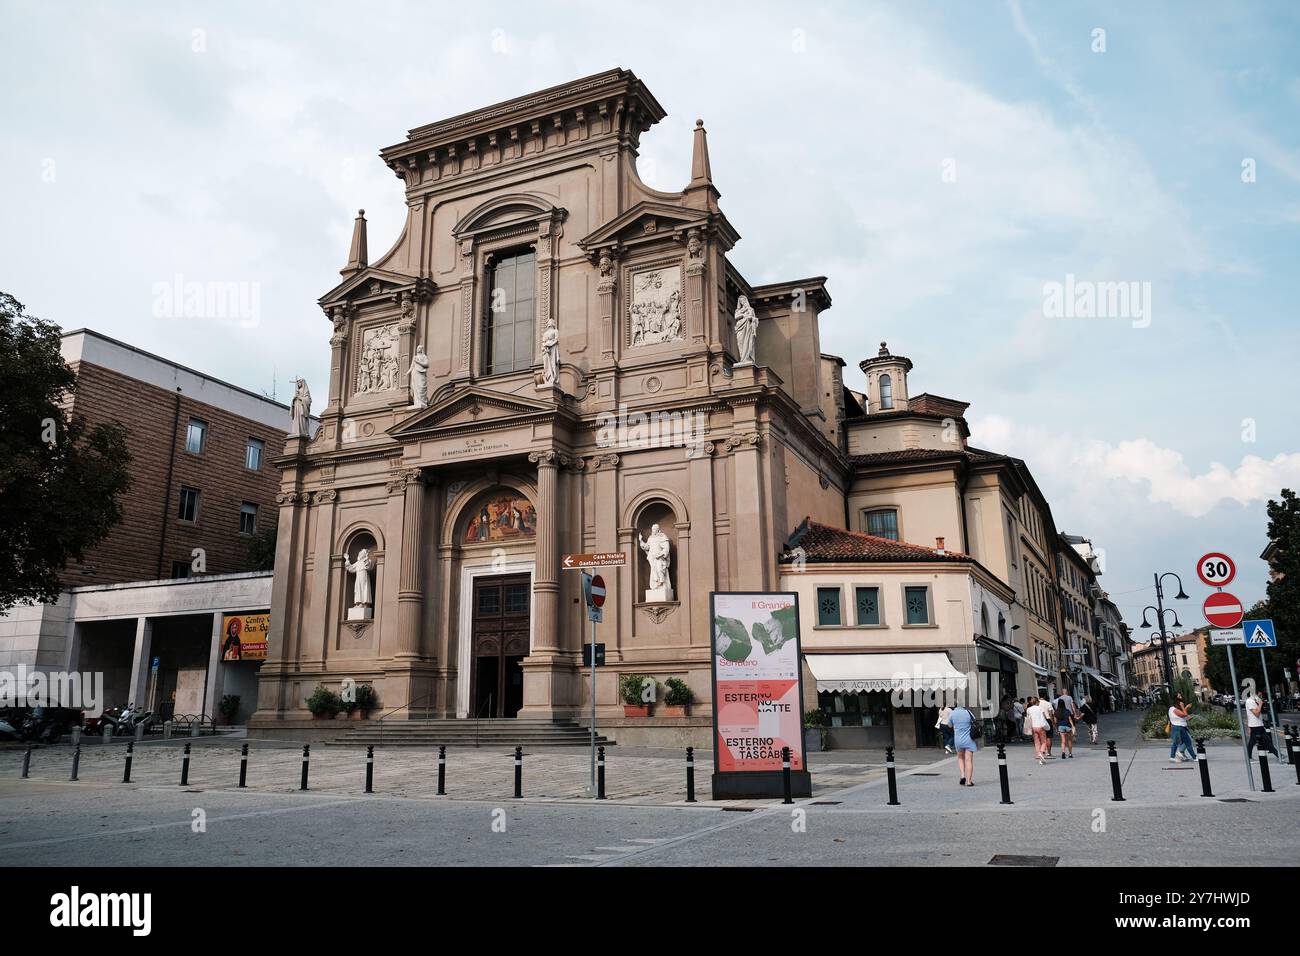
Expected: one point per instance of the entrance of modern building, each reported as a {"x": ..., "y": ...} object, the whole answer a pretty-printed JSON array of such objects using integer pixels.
[{"x": 499, "y": 632}]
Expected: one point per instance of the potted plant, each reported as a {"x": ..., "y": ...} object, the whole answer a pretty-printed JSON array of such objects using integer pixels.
[
  {"x": 367, "y": 700},
  {"x": 229, "y": 707},
  {"x": 323, "y": 703},
  {"x": 677, "y": 698},
  {"x": 638, "y": 693},
  {"x": 814, "y": 730}
]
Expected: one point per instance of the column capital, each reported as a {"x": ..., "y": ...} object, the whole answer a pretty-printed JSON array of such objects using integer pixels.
[{"x": 547, "y": 459}]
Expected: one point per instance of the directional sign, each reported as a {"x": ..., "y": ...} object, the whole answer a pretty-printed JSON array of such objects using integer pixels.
[
  {"x": 1230, "y": 636},
  {"x": 1223, "y": 610},
  {"x": 1259, "y": 633},
  {"x": 598, "y": 591},
  {"x": 599, "y": 559},
  {"x": 1216, "y": 569}
]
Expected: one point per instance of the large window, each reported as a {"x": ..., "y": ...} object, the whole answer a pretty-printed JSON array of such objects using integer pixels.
[
  {"x": 189, "y": 504},
  {"x": 508, "y": 343},
  {"x": 253, "y": 454},
  {"x": 868, "y": 602},
  {"x": 828, "y": 607},
  {"x": 916, "y": 601},
  {"x": 883, "y": 523},
  {"x": 248, "y": 518},
  {"x": 196, "y": 436}
]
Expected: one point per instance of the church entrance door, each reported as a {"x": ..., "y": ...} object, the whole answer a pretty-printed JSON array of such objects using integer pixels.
[{"x": 499, "y": 632}]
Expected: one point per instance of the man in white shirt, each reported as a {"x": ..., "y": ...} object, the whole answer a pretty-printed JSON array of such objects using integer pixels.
[{"x": 1255, "y": 722}]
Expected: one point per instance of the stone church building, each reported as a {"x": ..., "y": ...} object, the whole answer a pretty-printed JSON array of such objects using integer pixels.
[{"x": 553, "y": 357}]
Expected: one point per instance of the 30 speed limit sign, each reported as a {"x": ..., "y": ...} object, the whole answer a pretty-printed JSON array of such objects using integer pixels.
[{"x": 1216, "y": 569}]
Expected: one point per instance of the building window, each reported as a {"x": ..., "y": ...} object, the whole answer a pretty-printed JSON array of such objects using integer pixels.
[
  {"x": 196, "y": 436},
  {"x": 883, "y": 523},
  {"x": 868, "y": 603},
  {"x": 516, "y": 598},
  {"x": 508, "y": 342},
  {"x": 1002, "y": 628},
  {"x": 916, "y": 599},
  {"x": 984, "y": 621},
  {"x": 189, "y": 509},
  {"x": 180, "y": 569},
  {"x": 886, "y": 392},
  {"x": 253, "y": 455},
  {"x": 248, "y": 518},
  {"x": 828, "y": 607}
]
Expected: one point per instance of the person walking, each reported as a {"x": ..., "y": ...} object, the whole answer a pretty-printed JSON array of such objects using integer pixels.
[
  {"x": 1089, "y": 714},
  {"x": 1255, "y": 722},
  {"x": 1038, "y": 726},
  {"x": 1179, "y": 735},
  {"x": 963, "y": 719},
  {"x": 1065, "y": 715},
  {"x": 1049, "y": 715},
  {"x": 1018, "y": 717},
  {"x": 944, "y": 724}
]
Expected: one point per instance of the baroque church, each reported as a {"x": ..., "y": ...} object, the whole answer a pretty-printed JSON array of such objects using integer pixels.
[{"x": 552, "y": 358}]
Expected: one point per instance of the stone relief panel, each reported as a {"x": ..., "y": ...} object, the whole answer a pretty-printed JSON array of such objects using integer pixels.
[
  {"x": 377, "y": 365},
  {"x": 655, "y": 309}
]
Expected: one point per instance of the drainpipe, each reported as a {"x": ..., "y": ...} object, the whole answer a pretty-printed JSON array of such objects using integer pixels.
[
  {"x": 171, "y": 468},
  {"x": 961, "y": 493}
]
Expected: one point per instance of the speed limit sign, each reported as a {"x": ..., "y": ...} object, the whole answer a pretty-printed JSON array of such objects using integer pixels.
[{"x": 1216, "y": 569}]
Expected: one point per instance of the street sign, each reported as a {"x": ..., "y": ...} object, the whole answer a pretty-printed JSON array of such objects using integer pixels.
[
  {"x": 1216, "y": 569},
  {"x": 1259, "y": 633},
  {"x": 1223, "y": 610},
  {"x": 586, "y": 655},
  {"x": 598, "y": 591},
  {"x": 598, "y": 559},
  {"x": 1228, "y": 636}
]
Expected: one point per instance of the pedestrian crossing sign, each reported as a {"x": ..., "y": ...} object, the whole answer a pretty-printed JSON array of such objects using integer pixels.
[{"x": 1259, "y": 633}]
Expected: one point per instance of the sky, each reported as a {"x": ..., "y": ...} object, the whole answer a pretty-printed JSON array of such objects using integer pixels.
[{"x": 951, "y": 167}]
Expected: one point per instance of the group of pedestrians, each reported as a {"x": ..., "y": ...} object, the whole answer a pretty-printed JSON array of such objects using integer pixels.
[{"x": 1045, "y": 717}]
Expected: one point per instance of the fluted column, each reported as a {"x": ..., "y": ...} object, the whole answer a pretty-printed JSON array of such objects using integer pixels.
[
  {"x": 546, "y": 582},
  {"x": 410, "y": 593}
]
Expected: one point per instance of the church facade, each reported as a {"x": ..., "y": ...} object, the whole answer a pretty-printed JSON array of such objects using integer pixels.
[{"x": 552, "y": 358}]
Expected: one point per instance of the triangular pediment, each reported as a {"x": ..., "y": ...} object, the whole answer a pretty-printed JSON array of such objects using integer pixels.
[
  {"x": 367, "y": 283},
  {"x": 644, "y": 220},
  {"x": 472, "y": 407}
]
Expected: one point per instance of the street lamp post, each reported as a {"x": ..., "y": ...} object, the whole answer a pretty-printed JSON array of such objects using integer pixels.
[{"x": 1160, "y": 610}]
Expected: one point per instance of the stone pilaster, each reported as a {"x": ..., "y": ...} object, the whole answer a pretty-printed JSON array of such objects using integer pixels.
[
  {"x": 410, "y": 593},
  {"x": 546, "y": 582}
]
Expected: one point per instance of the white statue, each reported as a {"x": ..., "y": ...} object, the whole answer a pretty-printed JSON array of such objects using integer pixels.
[
  {"x": 300, "y": 410},
  {"x": 658, "y": 554},
  {"x": 362, "y": 596},
  {"x": 746, "y": 331},
  {"x": 550, "y": 355},
  {"x": 419, "y": 378}
]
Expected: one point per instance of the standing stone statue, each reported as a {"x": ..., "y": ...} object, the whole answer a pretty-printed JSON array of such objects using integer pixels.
[
  {"x": 550, "y": 355},
  {"x": 362, "y": 596},
  {"x": 300, "y": 410},
  {"x": 746, "y": 331},
  {"x": 419, "y": 378},
  {"x": 658, "y": 554}
]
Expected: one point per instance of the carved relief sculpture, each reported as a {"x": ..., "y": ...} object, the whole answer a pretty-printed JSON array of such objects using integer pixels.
[
  {"x": 378, "y": 369},
  {"x": 655, "y": 311},
  {"x": 658, "y": 554},
  {"x": 746, "y": 332},
  {"x": 419, "y": 378}
]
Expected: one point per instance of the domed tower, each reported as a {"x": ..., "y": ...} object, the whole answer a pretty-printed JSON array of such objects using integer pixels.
[{"x": 886, "y": 381}]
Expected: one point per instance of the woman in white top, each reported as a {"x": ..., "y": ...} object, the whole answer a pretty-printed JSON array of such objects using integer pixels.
[
  {"x": 1179, "y": 735},
  {"x": 945, "y": 727},
  {"x": 1038, "y": 723}
]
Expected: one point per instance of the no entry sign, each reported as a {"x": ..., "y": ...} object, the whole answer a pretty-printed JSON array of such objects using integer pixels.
[
  {"x": 1223, "y": 610},
  {"x": 598, "y": 591},
  {"x": 1216, "y": 569}
]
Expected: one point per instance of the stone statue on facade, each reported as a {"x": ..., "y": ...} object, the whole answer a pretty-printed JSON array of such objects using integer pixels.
[
  {"x": 550, "y": 355},
  {"x": 300, "y": 410},
  {"x": 419, "y": 378},
  {"x": 658, "y": 554},
  {"x": 363, "y": 599},
  {"x": 746, "y": 332}
]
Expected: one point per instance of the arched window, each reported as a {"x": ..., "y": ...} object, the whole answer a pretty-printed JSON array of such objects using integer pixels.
[
  {"x": 886, "y": 392},
  {"x": 984, "y": 621}
]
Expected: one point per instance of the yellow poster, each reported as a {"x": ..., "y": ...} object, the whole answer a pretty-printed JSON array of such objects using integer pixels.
[{"x": 245, "y": 637}]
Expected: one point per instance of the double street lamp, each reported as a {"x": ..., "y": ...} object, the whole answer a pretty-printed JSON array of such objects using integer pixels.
[{"x": 1161, "y": 611}]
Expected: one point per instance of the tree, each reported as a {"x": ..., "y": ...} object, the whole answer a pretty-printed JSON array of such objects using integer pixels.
[
  {"x": 61, "y": 481},
  {"x": 260, "y": 552}
]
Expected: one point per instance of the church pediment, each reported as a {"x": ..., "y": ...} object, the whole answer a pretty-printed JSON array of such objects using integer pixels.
[
  {"x": 473, "y": 408},
  {"x": 646, "y": 220},
  {"x": 372, "y": 283}
]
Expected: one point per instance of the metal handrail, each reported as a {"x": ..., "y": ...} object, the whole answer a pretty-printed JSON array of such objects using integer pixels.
[
  {"x": 478, "y": 715},
  {"x": 407, "y": 705}
]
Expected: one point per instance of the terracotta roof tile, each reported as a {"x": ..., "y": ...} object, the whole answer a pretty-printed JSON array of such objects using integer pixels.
[{"x": 823, "y": 544}]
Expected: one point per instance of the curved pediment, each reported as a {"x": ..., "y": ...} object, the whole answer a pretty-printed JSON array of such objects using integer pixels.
[{"x": 507, "y": 210}]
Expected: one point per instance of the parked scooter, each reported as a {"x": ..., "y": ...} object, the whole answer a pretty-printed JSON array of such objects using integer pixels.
[{"x": 45, "y": 725}]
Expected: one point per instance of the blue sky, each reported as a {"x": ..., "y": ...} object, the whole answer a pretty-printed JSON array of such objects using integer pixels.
[{"x": 235, "y": 142}]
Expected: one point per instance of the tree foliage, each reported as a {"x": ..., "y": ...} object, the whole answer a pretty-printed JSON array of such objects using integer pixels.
[{"x": 61, "y": 481}]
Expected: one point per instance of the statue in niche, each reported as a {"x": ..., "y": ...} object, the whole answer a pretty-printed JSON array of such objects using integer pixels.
[
  {"x": 551, "y": 355},
  {"x": 300, "y": 410},
  {"x": 746, "y": 332},
  {"x": 658, "y": 555},
  {"x": 419, "y": 378},
  {"x": 363, "y": 599}
]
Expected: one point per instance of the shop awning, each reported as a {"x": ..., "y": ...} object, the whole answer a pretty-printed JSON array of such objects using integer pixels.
[
  {"x": 1098, "y": 676},
  {"x": 1008, "y": 651},
  {"x": 866, "y": 672}
]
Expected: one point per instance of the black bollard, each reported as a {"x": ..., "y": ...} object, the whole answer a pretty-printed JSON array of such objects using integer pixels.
[
  {"x": 76, "y": 761},
  {"x": 893, "y": 780},
  {"x": 185, "y": 767},
  {"x": 370, "y": 769},
  {"x": 690, "y": 774},
  {"x": 1263, "y": 773},
  {"x": 1297, "y": 756},
  {"x": 600, "y": 773},
  {"x": 519, "y": 772},
  {"x": 126, "y": 773},
  {"x": 306, "y": 764},
  {"x": 442, "y": 771},
  {"x": 1204, "y": 764},
  {"x": 1290, "y": 747},
  {"x": 1002, "y": 774},
  {"x": 785, "y": 774},
  {"x": 1115, "y": 783},
  {"x": 243, "y": 766},
  {"x": 27, "y": 760}
]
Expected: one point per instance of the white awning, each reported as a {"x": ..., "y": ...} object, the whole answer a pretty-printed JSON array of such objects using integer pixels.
[
  {"x": 865, "y": 672},
  {"x": 1008, "y": 651},
  {"x": 1098, "y": 677}
]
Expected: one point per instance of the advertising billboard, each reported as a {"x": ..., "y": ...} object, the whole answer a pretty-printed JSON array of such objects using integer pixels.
[
  {"x": 244, "y": 636},
  {"x": 757, "y": 693}
]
